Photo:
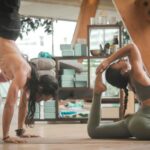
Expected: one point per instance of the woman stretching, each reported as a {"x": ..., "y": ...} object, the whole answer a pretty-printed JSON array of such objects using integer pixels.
[{"x": 121, "y": 74}]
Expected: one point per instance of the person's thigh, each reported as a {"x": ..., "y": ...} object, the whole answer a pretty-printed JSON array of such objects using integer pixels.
[{"x": 111, "y": 130}]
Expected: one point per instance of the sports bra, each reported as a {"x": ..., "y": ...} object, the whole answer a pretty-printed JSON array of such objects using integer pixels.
[{"x": 142, "y": 91}]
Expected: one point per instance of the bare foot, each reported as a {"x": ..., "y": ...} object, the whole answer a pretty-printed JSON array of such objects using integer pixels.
[
  {"x": 99, "y": 86},
  {"x": 15, "y": 140}
]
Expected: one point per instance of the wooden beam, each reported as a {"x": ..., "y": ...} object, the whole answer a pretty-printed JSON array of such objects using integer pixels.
[
  {"x": 135, "y": 15},
  {"x": 87, "y": 10}
]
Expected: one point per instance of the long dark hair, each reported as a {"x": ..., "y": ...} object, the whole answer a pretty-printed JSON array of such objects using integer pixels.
[
  {"x": 115, "y": 78},
  {"x": 44, "y": 85}
]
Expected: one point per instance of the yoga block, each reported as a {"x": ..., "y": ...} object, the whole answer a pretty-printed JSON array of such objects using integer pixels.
[
  {"x": 69, "y": 71},
  {"x": 64, "y": 47},
  {"x": 67, "y": 77},
  {"x": 37, "y": 116},
  {"x": 37, "y": 108},
  {"x": 68, "y": 53},
  {"x": 80, "y": 49},
  {"x": 49, "y": 109},
  {"x": 50, "y": 103},
  {"x": 80, "y": 84},
  {"x": 81, "y": 77},
  {"x": 49, "y": 115},
  {"x": 67, "y": 83}
]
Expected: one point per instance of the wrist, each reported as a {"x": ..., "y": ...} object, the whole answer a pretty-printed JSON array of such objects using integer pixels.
[
  {"x": 6, "y": 137},
  {"x": 20, "y": 132}
]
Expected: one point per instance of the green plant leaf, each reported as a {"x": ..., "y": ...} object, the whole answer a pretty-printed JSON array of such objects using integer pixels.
[{"x": 29, "y": 24}]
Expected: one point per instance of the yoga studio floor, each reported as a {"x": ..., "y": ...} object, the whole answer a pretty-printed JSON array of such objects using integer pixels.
[
  {"x": 67, "y": 136},
  {"x": 71, "y": 137}
]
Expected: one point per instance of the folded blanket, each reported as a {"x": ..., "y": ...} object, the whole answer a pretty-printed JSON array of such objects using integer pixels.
[
  {"x": 44, "y": 63},
  {"x": 47, "y": 72}
]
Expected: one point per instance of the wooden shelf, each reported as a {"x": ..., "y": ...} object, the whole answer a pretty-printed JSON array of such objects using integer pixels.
[
  {"x": 85, "y": 93},
  {"x": 79, "y": 57},
  {"x": 82, "y": 120},
  {"x": 73, "y": 88},
  {"x": 105, "y": 26},
  {"x": 104, "y": 100},
  {"x": 71, "y": 57}
]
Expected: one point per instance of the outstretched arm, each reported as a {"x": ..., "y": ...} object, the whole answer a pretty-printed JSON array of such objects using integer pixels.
[
  {"x": 9, "y": 108},
  {"x": 23, "y": 107},
  {"x": 17, "y": 83}
]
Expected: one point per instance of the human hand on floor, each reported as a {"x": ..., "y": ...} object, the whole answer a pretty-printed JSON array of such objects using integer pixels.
[{"x": 14, "y": 140}]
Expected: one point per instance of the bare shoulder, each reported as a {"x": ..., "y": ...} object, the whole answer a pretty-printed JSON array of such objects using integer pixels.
[{"x": 138, "y": 70}]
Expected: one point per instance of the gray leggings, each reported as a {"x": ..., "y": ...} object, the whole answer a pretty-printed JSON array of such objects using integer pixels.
[{"x": 137, "y": 125}]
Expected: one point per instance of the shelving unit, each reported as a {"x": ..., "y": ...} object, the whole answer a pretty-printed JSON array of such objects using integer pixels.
[
  {"x": 85, "y": 93},
  {"x": 100, "y": 37}
]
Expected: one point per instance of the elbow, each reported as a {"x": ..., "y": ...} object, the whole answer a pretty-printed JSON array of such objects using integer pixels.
[
  {"x": 132, "y": 46},
  {"x": 132, "y": 49}
]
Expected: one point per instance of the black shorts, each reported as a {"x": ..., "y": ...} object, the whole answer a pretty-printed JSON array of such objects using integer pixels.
[{"x": 9, "y": 19}]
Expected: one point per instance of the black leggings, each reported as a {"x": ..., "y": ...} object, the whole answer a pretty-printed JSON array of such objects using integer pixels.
[
  {"x": 9, "y": 19},
  {"x": 137, "y": 125}
]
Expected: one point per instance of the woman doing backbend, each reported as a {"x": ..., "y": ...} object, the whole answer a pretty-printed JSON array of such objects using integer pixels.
[{"x": 122, "y": 74}]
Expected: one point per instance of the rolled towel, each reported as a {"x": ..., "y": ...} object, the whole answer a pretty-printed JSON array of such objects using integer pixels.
[
  {"x": 47, "y": 72},
  {"x": 44, "y": 63}
]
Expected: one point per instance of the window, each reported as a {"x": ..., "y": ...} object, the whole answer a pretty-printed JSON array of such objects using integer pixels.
[
  {"x": 37, "y": 41},
  {"x": 63, "y": 34}
]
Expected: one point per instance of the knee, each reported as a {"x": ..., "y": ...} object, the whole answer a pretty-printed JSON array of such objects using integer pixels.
[{"x": 92, "y": 133}]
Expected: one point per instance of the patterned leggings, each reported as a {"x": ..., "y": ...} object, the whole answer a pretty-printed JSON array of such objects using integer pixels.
[{"x": 137, "y": 125}]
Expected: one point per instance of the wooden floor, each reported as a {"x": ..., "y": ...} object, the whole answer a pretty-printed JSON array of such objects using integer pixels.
[
  {"x": 70, "y": 137},
  {"x": 62, "y": 136}
]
